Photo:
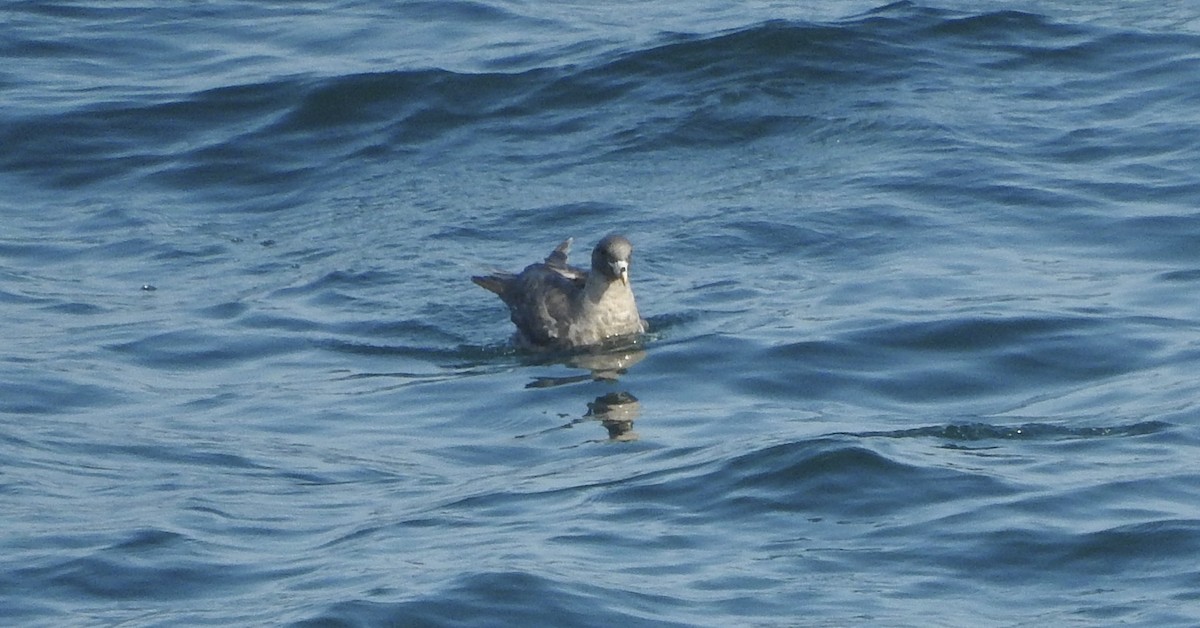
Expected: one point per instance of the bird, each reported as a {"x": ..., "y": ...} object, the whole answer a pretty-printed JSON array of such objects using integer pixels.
[{"x": 560, "y": 307}]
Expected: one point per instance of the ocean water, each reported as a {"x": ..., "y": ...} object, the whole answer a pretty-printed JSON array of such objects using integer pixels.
[{"x": 922, "y": 280}]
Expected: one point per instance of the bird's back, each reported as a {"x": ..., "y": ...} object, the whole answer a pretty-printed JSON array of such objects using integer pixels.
[{"x": 539, "y": 299}]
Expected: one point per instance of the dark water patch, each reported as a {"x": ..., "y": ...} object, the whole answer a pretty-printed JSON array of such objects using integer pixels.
[
  {"x": 738, "y": 87},
  {"x": 242, "y": 168},
  {"x": 663, "y": 326},
  {"x": 16, "y": 298},
  {"x": 1174, "y": 239},
  {"x": 1169, "y": 192},
  {"x": 456, "y": 11},
  {"x": 60, "y": 10},
  {"x": 731, "y": 88},
  {"x": 495, "y": 598},
  {"x": 987, "y": 30},
  {"x": 163, "y": 452},
  {"x": 210, "y": 402},
  {"x": 1183, "y": 276},
  {"x": 37, "y": 252},
  {"x": 973, "y": 432},
  {"x": 110, "y": 142},
  {"x": 136, "y": 248},
  {"x": 1131, "y": 54},
  {"x": 58, "y": 249},
  {"x": 821, "y": 53},
  {"x": 34, "y": 389},
  {"x": 696, "y": 357},
  {"x": 197, "y": 350},
  {"x": 254, "y": 319},
  {"x": 103, "y": 220},
  {"x": 76, "y": 308},
  {"x": 231, "y": 135},
  {"x": 339, "y": 280},
  {"x": 196, "y": 253},
  {"x": 715, "y": 91},
  {"x": 1138, "y": 550},
  {"x": 224, "y": 311},
  {"x": 819, "y": 478},
  {"x": 962, "y": 357},
  {"x": 1134, "y": 164},
  {"x": 427, "y": 103},
  {"x": 433, "y": 356},
  {"x": 810, "y": 370},
  {"x": 967, "y": 334},
  {"x": 150, "y": 564}
]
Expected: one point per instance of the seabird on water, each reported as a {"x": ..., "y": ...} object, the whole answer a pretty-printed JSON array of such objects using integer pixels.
[{"x": 558, "y": 306}]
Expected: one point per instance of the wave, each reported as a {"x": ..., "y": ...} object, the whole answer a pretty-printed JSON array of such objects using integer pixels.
[
  {"x": 974, "y": 432},
  {"x": 832, "y": 476},
  {"x": 835, "y": 504},
  {"x": 518, "y": 597},
  {"x": 949, "y": 357},
  {"x": 768, "y": 79}
]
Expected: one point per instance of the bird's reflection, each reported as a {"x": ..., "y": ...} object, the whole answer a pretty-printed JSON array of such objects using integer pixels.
[
  {"x": 607, "y": 366},
  {"x": 615, "y": 411}
]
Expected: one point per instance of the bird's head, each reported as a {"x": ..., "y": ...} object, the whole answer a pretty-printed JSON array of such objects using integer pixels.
[{"x": 611, "y": 258}]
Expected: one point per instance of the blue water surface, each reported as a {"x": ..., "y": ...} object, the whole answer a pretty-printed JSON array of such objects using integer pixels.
[{"x": 921, "y": 279}]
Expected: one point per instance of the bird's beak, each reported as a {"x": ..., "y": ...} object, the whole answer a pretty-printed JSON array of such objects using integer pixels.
[{"x": 621, "y": 269}]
